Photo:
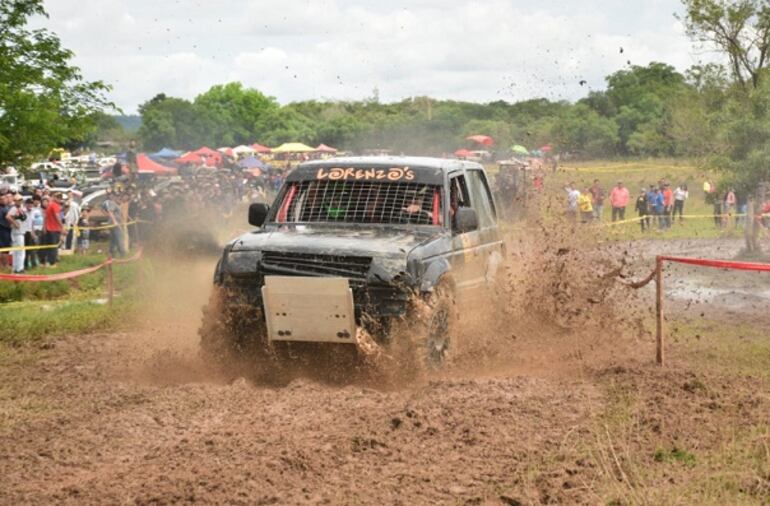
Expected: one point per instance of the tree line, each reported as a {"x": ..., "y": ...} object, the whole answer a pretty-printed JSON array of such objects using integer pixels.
[{"x": 717, "y": 114}]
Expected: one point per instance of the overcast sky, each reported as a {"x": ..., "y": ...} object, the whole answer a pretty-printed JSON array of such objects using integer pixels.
[{"x": 338, "y": 49}]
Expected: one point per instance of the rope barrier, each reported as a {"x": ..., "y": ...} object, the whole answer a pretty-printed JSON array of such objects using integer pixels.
[
  {"x": 654, "y": 216},
  {"x": 77, "y": 234},
  {"x": 71, "y": 274}
]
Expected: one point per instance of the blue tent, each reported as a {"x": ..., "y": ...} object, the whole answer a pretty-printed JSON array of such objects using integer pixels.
[
  {"x": 251, "y": 162},
  {"x": 166, "y": 153}
]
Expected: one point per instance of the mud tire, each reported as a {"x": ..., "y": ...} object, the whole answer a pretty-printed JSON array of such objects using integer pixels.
[
  {"x": 429, "y": 334},
  {"x": 232, "y": 336}
]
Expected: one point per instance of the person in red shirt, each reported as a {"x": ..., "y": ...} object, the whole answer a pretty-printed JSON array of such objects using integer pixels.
[
  {"x": 619, "y": 197},
  {"x": 52, "y": 227},
  {"x": 668, "y": 204}
]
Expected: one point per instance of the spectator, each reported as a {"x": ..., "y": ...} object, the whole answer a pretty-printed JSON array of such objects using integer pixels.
[
  {"x": 117, "y": 249},
  {"x": 5, "y": 226},
  {"x": 71, "y": 218},
  {"x": 597, "y": 195},
  {"x": 659, "y": 207},
  {"x": 33, "y": 231},
  {"x": 619, "y": 200},
  {"x": 680, "y": 196},
  {"x": 573, "y": 194},
  {"x": 642, "y": 210},
  {"x": 16, "y": 216},
  {"x": 585, "y": 206},
  {"x": 717, "y": 212},
  {"x": 668, "y": 204},
  {"x": 52, "y": 223},
  {"x": 729, "y": 206},
  {"x": 83, "y": 233}
]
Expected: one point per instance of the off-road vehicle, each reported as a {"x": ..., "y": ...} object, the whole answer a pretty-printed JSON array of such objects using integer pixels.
[{"x": 351, "y": 250}]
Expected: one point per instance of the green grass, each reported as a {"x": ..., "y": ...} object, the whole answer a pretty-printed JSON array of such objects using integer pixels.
[{"x": 31, "y": 311}]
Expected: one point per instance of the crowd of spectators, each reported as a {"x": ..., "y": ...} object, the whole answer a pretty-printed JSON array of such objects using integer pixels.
[{"x": 128, "y": 211}]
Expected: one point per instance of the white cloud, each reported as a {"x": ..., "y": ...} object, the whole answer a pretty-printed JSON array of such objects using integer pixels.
[{"x": 469, "y": 50}]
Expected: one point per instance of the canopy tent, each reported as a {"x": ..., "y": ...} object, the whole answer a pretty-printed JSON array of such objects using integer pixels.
[
  {"x": 226, "y": 151},
  {"x": 145, "y": 164},
  {"x": 323, "y": 148},
  {"x": 190, "y": 157},
  {"x": 203, "y": 150},
  {"x": 243, "y": 150},
  {"x": 198, "y": 159},
  {"x": 519, "y": 149},
  {"x": 463, "y": 153},
  {"x": 167, "y": 153},
  {"x": 484, "y": 140},
  {"x": 259, "y": 148},
  {"x": 293, "y": 147},
  {"x": 251, "y": 162}
]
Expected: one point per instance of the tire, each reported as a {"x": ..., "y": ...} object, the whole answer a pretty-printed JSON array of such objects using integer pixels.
[
  {"x": 232, "y": 335},
  {"x": 431, "y": 331}
]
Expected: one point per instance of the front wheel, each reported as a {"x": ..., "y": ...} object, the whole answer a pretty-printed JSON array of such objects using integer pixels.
[
  {"x": 232, "y": 335},
  {"x": 430, "y": 332}
]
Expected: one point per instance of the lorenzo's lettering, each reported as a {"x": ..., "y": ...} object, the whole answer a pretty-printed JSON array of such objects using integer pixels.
[{"x": 391, "y": 174}]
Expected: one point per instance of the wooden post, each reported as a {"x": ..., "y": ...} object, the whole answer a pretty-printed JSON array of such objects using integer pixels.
[
  {"x": 110, "y": 282},
  {"x": 659, "y": 356},
  {"x": 748, "y": 230}
]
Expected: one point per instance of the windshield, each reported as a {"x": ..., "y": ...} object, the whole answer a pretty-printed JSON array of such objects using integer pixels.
[{"x": 360, "y": 202}]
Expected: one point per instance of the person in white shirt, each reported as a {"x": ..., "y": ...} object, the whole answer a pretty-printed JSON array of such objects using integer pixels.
[
  {"x": 33, "y": 231},
  {"x": 16, "y": 217},
  {"x": 71, "y": 218},
  {"x": 680, "y": 195}
]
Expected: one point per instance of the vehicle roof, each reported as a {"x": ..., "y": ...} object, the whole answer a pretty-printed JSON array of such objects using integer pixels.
[{"x": 414, "y": 162}]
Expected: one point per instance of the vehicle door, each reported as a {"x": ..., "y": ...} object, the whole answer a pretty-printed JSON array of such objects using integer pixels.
[
  {"x": 490, "y": 249},
  {"x": 467, "y": 264}
]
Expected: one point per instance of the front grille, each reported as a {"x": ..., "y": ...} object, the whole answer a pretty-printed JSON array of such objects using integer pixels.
[{"x": 305, "y": 264}]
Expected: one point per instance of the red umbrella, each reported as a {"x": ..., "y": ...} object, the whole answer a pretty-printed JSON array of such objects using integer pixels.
[
  {"x": 463, "y": 153},
  {"x": 145, "y": 164},
  {"x": 259, "y": 148},
  {"x": 484, "y": 140}
]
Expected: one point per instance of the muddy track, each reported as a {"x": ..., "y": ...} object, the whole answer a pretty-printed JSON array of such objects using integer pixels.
[
  {"x": 137, "y": 418},
  {"x": 106, "y": 425}
]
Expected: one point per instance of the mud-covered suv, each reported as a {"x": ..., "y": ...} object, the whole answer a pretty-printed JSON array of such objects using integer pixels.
[{"x": 352, "y": 251}]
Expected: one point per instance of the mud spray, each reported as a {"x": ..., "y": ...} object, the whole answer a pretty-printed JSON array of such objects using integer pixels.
[{"x": 558, "y": 307}]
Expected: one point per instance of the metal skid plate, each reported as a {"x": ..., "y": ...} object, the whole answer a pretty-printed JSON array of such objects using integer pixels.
[{"x": 309, "y": 309}]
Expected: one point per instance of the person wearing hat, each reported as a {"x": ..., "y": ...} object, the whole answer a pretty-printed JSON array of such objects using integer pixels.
[
  {"x": 619, "y": 200},
  {"x": 16, "y": 216}
]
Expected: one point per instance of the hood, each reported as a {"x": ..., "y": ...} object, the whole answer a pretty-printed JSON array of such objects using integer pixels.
[{"x": 372, "y": 242}]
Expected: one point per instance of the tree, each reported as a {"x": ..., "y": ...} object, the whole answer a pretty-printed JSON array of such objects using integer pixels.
[
  {"x": 169, "y": 121},
  {"x": 232, "y": 112},
  {"x": 44, "y": 100},
  {"x": 582, "y": 130},
  {"x": 738, "y": 28}
]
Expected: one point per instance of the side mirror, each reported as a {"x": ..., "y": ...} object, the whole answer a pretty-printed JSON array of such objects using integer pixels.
[
  {"x": 466, "y": 220},
  {"x": 257, "y": 214}
]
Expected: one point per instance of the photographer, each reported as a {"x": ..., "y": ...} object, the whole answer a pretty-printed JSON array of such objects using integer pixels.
[{"x": 16, "y": 217}]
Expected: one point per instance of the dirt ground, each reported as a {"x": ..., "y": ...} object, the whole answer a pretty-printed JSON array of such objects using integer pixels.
[{"x": 577, "y": 415}]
